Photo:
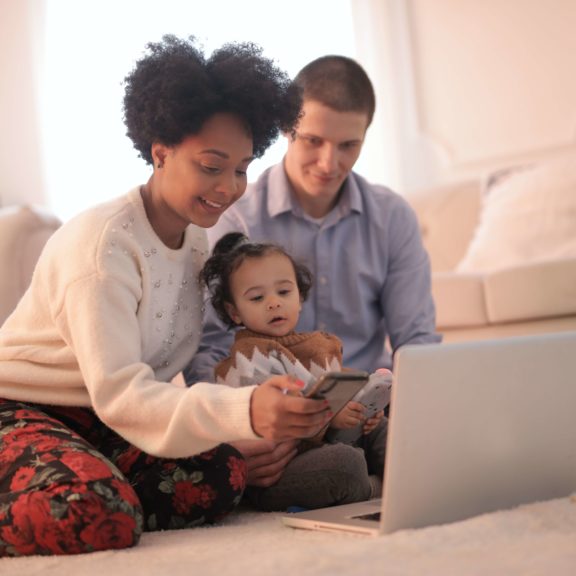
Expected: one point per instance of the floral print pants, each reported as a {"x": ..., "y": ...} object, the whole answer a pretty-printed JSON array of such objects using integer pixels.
[{"x": 69, "y": 484}]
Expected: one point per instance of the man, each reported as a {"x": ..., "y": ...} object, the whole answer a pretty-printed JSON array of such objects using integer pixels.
[{"x": 361, "y": 241}]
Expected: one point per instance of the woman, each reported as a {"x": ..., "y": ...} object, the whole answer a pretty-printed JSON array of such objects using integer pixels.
[{"x": 96, "y": 443}]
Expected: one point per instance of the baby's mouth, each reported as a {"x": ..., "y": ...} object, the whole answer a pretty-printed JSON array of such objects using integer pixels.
[{"x": 277, "y": 320}]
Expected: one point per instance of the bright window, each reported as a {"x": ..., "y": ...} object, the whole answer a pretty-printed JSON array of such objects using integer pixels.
[{"x": 91, "y": 47}]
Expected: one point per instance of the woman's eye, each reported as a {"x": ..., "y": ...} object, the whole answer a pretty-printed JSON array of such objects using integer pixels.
[{"x": 211, "y": 169}]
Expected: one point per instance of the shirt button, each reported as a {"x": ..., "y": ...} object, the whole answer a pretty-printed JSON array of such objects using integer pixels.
[{"x": 323, "y": 280}]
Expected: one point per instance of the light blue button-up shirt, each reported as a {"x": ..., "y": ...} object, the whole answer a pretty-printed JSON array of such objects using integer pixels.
[{"x": 371, "y": 271}]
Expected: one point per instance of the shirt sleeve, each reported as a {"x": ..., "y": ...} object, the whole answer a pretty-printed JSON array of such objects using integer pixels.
[{"x": 406, "y": 297}]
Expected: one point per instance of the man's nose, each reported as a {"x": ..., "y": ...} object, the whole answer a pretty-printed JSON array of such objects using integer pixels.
[{"x": 328, "y": 159}]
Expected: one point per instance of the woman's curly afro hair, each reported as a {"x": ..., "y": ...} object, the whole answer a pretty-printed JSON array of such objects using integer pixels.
[{"x": 174, "y": 89}]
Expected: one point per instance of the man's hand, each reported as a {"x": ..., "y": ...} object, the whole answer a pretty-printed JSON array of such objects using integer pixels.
[
  {"x": 279, "y": 412},
  {"x": 265, "y": 459},
  {"x": 349, "y": 417}
]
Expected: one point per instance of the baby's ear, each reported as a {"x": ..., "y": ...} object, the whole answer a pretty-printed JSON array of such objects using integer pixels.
[{"x": 233, "y": 313}]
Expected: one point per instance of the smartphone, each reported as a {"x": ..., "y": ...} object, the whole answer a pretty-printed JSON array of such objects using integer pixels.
[{"x": 338, "y": 388}]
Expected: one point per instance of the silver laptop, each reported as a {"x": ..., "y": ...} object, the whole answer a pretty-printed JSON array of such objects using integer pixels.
[{"x": 474, "y": 427}]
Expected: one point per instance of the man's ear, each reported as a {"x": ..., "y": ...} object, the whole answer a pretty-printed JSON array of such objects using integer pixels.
[
  {"x": 233, "y": 313},
  {"x": 159, "y": 153}
]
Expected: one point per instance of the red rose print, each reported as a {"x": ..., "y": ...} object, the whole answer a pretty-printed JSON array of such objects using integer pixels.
[
  {"x": 237, "y": 472},
  {"x": 86, "y": 466},
  {"x": 47, "y": 443},
  {"x": 29, "y": 510},
  {"x": 111, "y": 531},
  {"x": 185, "y": 496},
  {"x": 127, "y": 459},
  {"x": 22, "y": 478},
  {"x": 47, "y": 458},
  {"x": 208, "y": 455},
  {"x": 207, "y": 496}
]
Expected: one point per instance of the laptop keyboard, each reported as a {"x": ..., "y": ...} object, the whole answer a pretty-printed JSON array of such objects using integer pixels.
[{"x": 373, "y": 516}]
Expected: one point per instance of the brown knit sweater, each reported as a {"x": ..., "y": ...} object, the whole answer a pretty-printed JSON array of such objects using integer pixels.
[{"x": 254, "y": 357}]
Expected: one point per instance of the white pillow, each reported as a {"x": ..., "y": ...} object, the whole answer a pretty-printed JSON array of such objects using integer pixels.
[{"x": 527, "y": 217}]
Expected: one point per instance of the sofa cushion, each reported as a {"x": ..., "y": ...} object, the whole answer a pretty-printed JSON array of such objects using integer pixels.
[
  {"x": 537, "y": 290},
  {"x": 516, "y": 294},
  {"x": 23, "y": 233},
  {"x": 448, "y": 215},
  {"x": 459, "y": 299},
  {"x": 527, "y": 217}
]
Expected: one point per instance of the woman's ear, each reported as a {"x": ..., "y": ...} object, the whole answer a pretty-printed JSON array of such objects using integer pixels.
[
  {"x": 233, "y": 313},
  {"x": 159, "y": 153}
]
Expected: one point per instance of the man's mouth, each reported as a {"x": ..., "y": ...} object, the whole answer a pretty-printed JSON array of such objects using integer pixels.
[{"x": 325, "y": 178}]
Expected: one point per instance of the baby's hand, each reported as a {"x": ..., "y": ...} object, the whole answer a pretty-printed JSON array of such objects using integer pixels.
[
  {"x": 371, "y": 423},
  {"x": 350, "y": 416}
]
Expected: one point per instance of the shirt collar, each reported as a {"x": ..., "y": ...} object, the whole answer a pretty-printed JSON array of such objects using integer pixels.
[{"x": 283, "y": 198}]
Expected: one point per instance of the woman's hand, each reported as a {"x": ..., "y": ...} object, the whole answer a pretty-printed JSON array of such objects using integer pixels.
[
  {"x": 279, "y": 412},
  {"x": 371, "y": 423},
  {"x": 265, "y": 459},
  {"x": 349, "y": 417}
]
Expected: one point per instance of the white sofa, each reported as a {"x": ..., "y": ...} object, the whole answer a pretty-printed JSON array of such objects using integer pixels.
[
  {"x": 521, "y": 299},
  {"x": 23, "y": 232}
]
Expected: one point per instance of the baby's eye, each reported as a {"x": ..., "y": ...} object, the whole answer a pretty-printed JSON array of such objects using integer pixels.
[
  {"x": 284, "y": 292},
  {"x": 255, "y": 298}
]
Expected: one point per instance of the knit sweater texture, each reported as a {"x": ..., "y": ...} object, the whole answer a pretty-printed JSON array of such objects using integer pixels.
[
  {"x": 255, "y": 357},
  {"x": 111, "y": 316}
]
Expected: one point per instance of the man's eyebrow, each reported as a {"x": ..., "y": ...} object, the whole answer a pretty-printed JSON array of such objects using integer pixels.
[{"x": 217, "y": 152}]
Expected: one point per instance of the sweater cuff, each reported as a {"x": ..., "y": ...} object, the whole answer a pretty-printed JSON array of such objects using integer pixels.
[{"x": 234, "y": 410}]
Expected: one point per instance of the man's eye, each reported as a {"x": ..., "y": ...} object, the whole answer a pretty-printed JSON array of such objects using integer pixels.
[
  {"x": 348, "y": 146},
  {"x": 241, "y": 173}
]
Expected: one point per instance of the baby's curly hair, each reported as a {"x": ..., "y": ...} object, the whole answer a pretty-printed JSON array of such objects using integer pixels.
[
  {"x": 174, "y": 89},
  {"x": 228, "y": 253}
]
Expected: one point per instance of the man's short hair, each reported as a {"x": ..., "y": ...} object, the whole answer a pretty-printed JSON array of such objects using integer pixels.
[{"x": 339, "y": 83}]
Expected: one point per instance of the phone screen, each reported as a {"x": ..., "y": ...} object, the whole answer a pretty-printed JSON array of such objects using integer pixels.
[{"x": 338, "y": 388}]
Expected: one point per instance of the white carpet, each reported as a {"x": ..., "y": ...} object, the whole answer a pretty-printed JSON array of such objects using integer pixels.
[{"x": 533, "y": 540}]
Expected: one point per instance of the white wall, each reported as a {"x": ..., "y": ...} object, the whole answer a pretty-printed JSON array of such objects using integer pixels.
[
  {"x": 463, "y": 87},
  {"x": 21, "y": 170},
  {"x": 475, "y": 85}
]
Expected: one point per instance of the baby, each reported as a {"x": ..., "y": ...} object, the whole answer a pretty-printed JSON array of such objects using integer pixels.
[{"x": 260, "y": 287}]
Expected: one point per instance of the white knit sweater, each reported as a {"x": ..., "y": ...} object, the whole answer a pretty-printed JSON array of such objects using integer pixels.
[{"x": 111, "y": 316}]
